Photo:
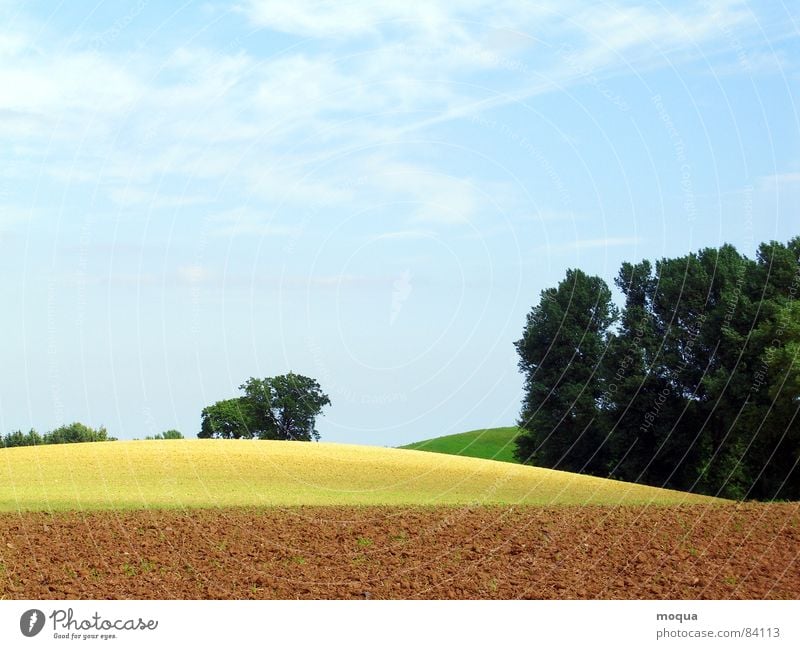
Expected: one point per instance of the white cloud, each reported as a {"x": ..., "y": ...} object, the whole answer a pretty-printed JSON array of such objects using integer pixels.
[
  {"x": 61, "y": 83},
  {"x": 331, "y": 283},
  {"x": 401, "y": 235},
  {"x": 12, "y": 44},
  {"x": 194, "y": 274},
  {"x": 245, "y": 221},
  {"x": 342, "y": 19},
  {"x": 780, "y": 179},
  {"x": 754, "y": 63},
  {"x": 624, "y": 29},
  {"x": 269, "y": 127},
  {"x": 433, "y": 197},
  {"x": 11, "y": 217},
  {"x": 131, "y": 196},
  {"x": 282, "y": 184}
]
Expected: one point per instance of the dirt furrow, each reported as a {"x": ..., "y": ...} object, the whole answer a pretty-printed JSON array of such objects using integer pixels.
[{"x": 748, "y": 551}]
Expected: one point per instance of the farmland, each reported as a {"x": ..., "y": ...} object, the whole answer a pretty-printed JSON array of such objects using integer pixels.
[
  {"x": 489, "y": 444},
  {"x": 263, "y": 520},
  {"x": 679, "y": 552},
  {"x": 235, "y": 473}
]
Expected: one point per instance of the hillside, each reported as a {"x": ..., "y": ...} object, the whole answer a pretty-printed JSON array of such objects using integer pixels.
[
  {"x": 489, "y": 444},
  {"x": 217, "y": 473}
]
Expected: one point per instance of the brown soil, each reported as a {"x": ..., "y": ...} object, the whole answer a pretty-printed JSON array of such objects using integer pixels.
[{"x": 692, "y": 552}]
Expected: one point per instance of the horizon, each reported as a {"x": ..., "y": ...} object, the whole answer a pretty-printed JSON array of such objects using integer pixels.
[{"x": 190, "y": 197}]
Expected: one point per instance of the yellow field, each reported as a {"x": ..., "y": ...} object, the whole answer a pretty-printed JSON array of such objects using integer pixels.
[{"x": 217, "y": 473}]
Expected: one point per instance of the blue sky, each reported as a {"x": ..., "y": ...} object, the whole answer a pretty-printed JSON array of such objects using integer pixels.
[{"x": 372, "y": 194}]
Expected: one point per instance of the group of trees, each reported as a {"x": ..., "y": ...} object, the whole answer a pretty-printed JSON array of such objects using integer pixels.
[
  {"x": 167, "y": 434},
  {"x": 281, "y": 407},
  {"x": 70, "y": 434},
  {"x": 694, "y": 384}
]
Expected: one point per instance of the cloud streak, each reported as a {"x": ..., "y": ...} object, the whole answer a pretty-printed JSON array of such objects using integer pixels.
[
  {"x": 590, "y": 244},
  {"x": 297, "y": 127}
]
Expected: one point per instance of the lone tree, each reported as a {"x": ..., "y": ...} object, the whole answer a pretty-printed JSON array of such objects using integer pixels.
[{"x": 281, "y": 407}]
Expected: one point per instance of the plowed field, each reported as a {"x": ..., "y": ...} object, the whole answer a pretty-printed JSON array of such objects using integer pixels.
[{"x": 686, "y": 552}]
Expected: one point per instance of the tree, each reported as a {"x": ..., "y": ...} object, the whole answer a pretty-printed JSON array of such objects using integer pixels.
[
  {"x": 228, "y": 419},
  {"x": 285, "y": 407},
  {"x": 634, "y": 383},
  {"x": 560, "y": 351},
  {"x": 167, "y": 434},
  {"x": 281, "y": 407}
]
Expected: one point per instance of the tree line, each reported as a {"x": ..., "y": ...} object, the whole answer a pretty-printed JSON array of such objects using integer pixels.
[
  {"x": 69, "y": 434},
  {"x": 279, "y": 407},
  {"x": 694, "y": 384}
]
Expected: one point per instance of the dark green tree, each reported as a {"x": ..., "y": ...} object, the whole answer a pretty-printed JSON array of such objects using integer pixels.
[
  {"x": 285, "y": 407},
  {"x": 773, "y": 413},
  {"x": 674, "y": 419},
  {"x": 697, "y": 389},
  {"x": 635, "y": 400},
  {"x": 228, "y": 419},
  {"x": 280, "y": 407},
  {"x": 731, "y": 313},
  {"x": 561, "y": 351}
]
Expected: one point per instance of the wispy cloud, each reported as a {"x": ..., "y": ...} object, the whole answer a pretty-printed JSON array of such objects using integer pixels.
[
  {"x": 432, "y": 196},
  {"x": 338, "y": 20},
  {"x": 589, "y": 244},
  {"x": 298, "y": 127},
  {"x": 405, "y": 235},
  {"x": 780, "y": 179},
  {"x": 61, "y": 83},
  {"x": 132, "y": 196},
  {"x": 194, "y": 274},
  {"x": 245, "y": 221}
]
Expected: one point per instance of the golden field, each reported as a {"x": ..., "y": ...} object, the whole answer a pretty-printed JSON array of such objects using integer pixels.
[{"x": 230, "y": 473}]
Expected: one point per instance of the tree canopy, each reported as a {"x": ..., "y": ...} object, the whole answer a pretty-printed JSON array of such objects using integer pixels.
[
  {"x": 694, "y": 384},
  {"x": 560, "y": 353},
  {"x": 282, "y": 407},
  {"x": 227, "y": 419}
]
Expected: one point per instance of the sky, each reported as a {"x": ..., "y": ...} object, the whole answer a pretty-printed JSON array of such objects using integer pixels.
[{"x": 372, "y": 194}]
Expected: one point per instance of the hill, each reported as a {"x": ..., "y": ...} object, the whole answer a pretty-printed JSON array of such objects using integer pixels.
[
  {"x": 221, "y": 473},
  {"x": 488, "y": 444}
]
